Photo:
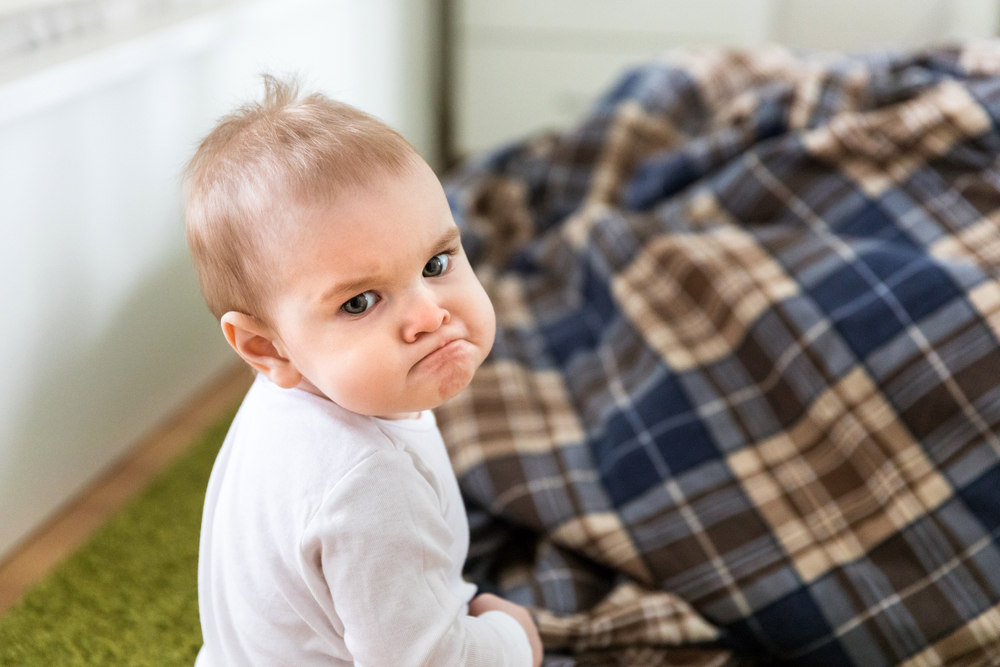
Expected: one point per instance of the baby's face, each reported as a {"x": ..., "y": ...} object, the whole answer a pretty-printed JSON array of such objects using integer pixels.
[{"x": 379, "y": 308}]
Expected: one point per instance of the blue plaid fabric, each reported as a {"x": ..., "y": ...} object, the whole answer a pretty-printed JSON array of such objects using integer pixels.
[{"x": 744, "y": 399}]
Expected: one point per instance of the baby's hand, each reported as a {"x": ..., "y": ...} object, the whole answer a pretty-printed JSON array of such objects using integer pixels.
[{"x": 488, "y": 602}]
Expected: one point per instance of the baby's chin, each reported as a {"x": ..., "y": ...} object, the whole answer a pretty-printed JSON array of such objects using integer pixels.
[
  {"x": 406, "y": 408},
  {"x": 452, "y": 384},
  {"x": 421, "y": 393},
  {"x": 447, "y": 389},
  {"x": 444, "y": 393}
]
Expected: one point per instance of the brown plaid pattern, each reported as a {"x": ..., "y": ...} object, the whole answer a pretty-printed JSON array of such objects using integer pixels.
[{"x": 744, "y": 403}]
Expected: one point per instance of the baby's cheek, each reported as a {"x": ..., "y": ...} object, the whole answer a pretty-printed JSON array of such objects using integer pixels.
[
  {"x": 372, "y": 385},
  {"x": 356, "y": 386},
  {"x": 486, "y": 321}
]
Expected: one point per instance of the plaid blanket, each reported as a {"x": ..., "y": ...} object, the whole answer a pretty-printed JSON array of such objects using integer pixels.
[{"x": 742, "y": 407}]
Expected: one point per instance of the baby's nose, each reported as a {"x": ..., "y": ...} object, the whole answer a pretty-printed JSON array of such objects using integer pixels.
[{"x": 424, "y": 315}]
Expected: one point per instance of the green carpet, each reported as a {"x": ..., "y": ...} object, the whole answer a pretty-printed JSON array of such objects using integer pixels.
[{"x": 130, "y": 595}]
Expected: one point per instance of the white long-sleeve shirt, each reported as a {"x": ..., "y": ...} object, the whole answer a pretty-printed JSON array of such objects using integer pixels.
[{"x": 330, "y": 538}]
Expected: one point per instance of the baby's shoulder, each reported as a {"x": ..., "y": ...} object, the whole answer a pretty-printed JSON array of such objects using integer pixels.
[{"x": 304, "y": 437}]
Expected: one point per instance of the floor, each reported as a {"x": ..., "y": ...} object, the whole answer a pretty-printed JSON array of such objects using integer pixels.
[{"x": 68, "y": 529}]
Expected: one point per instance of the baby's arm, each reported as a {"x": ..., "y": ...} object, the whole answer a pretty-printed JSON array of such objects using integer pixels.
[
  {"x": 488, "y": 602},
  {"x": 382, "y": 546}
]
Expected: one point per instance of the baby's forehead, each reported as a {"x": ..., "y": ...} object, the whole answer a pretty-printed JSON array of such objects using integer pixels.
[{"x": 364, "y": 215}]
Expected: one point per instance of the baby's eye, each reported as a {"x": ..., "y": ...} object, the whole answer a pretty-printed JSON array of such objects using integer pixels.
[
  {"x": 360, "y": 303},
  {"x": 437, "y": 265}
]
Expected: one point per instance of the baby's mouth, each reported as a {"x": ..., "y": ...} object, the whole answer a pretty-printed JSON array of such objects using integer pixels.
[
  {"x": 440, "y": 347},
  {"x": 444, "y": 354}
]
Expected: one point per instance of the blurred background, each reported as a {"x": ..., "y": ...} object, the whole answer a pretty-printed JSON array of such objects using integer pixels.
[{"x": 103, "y": 333}]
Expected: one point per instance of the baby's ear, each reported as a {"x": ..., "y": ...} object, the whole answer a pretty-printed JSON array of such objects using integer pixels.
[{"x": 259, "y": 345}]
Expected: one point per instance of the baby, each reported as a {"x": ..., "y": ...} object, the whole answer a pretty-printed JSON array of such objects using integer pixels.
[{"x": 333, "y": 530}]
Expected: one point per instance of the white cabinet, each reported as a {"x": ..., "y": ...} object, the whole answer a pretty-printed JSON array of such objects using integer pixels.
[
  {"x": 525, "y": 65},
  {"x": 853, "y": 25}
]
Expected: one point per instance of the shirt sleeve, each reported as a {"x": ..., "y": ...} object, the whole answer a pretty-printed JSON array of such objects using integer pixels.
[{"x": 383, "y": 548}]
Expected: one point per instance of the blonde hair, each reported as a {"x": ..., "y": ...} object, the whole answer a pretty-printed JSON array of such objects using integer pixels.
[{"x": 258, "y": 167}]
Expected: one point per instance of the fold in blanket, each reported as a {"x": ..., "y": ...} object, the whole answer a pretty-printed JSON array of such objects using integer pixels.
[{"x": 743, "y": 402}]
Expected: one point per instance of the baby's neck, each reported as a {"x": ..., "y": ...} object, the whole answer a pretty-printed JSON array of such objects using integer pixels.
[{"x": 400, "y": 415}]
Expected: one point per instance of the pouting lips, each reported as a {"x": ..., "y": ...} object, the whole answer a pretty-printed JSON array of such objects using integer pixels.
[{"x": 447, "y": 353}]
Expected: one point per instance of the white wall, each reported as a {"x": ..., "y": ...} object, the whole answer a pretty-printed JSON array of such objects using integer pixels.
[{"x": 103, "y": 330}]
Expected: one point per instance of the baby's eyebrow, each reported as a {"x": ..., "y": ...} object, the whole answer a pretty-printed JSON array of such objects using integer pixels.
[
  {"x": 358, "y": 285},
  {"x": 448, "y": 238},
  {"x": 349, "y": 288}
]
